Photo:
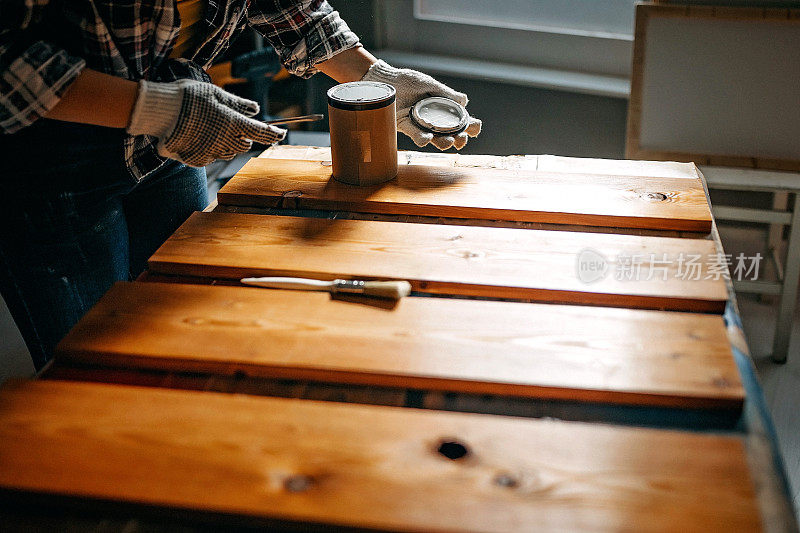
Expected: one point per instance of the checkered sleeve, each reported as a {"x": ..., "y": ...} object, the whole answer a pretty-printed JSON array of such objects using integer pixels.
[
  {"x": 303, "y": 32},
  {"x": 32, "y": 83},
  {"x": 34, "y": 74}
]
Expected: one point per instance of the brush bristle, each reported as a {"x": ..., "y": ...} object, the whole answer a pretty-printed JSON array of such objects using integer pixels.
[{"x": 387, "y": 289}]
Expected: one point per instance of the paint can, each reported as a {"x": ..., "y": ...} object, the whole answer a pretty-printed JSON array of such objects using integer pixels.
[{"x": 363, "y": 132}]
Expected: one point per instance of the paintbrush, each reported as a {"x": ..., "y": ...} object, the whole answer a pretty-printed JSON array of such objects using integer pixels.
[{"x": 382, "y": 289}]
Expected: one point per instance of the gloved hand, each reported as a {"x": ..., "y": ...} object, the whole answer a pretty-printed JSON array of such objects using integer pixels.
[
  {"x": 413, "y": 86},
  {"x": 197, "y": 122}
]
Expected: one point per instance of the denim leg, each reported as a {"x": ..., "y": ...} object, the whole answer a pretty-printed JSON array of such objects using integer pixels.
[
  {"x": 63, "y": 234},
  {"x": 71, "y": 226},
  {"x": 58, "y": 256},
  {"x": 156, "y": 207}
]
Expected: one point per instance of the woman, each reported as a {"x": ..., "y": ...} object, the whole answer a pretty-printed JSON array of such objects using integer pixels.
[{"x": 108, "y": 115}]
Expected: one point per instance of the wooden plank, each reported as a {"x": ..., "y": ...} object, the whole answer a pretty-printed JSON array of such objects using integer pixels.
[
  {"x": 465, "y": 260},
  {"x": 544, "y": 163},
  {"x": 479, "y": 193},
  {"x": 503, "y": 348},
  {"x": 363, "y": 466},
  {"x": 411, "y": 157},
  {"x": 617, "y": 167}
]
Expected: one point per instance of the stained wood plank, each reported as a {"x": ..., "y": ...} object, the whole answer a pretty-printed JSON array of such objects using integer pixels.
[
  {"x": 503, "y": 348},
  {"x": 617, "y": 167},
  {"x": 474, "y": 261},
  {"x": 369, "y": 467},
  {"x": 545, "y": 163},
  {"x": 411, "y": 157},
  {"x": 479, "y": 193}
]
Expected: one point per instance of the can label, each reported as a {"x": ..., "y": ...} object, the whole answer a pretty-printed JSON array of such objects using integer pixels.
[{"x": 362, "y": 144}]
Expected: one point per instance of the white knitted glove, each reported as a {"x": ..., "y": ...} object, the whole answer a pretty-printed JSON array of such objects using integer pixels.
[
  {"x": 197, "y": 122},
  {"x": 413, "y": 86}
]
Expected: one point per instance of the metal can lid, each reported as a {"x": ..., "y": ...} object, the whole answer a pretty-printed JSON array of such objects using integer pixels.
[
  {"x": 440, "y": 115},
  {"x": 361, "y": 95}
]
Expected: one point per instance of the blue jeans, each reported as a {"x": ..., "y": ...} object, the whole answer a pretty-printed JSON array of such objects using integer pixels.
[{"x": 73, "y": 222}]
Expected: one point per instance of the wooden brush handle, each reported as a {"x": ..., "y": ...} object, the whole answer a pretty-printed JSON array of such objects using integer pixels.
[{"x": 289, "y": 283}]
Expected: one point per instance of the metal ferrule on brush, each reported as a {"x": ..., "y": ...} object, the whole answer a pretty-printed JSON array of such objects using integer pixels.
[{"x": 345, "y": 285}]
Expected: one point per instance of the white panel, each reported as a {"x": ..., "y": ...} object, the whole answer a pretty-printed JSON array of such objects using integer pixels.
[
  {"x": 15, "y": 361},
  {"x": 722, "y": 87}
]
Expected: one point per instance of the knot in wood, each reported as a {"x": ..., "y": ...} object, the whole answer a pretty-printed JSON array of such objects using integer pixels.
[
  {"x": 653, "y": 196},
  {"x": 298, "y": 483}
]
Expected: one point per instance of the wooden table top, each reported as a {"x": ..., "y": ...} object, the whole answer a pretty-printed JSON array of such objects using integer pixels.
[{"x": 651, "y": 381}]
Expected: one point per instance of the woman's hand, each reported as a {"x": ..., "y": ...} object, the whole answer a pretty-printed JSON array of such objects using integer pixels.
[
  {"x": 413, "y": 86},
  {"x": 197, "y": 122}
]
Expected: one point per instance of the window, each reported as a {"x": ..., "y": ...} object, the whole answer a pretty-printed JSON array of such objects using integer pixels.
[
  {"x": 574, "y": 45},
  {"x": 606, "y": 19}
]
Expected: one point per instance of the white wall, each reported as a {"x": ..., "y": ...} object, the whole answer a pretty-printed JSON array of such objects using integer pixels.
[{"x": 15, "y": 361}]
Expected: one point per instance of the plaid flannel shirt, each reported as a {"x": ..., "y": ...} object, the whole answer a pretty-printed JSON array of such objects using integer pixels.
[{"x": 44, "y": 45}]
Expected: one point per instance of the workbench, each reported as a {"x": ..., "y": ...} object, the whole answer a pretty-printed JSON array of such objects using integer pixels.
[{"x": 517, "y": 389}]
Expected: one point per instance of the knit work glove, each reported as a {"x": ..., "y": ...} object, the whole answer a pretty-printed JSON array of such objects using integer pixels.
[
  {"x": 413, "y": 86},
  {"x": 197, "y": 122}
]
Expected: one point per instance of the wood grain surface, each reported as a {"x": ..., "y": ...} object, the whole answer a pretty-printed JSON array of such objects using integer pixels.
[
  {"x": 544, "y": 163},
  {"x": 503, "y": 348},
  {"x": 479, "y": 193},
  {"x": 363, "y": 466},
  {"x": 492, "y": 262}
]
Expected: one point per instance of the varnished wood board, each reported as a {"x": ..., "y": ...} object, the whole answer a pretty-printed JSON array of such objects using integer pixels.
[
  {"x": 545, "y": 163},
  {"x": 368, "y": 467},
  {"x": 464, "y": 260},
  {"x": 617, "y": 167},
  {"x": 479, "y": 193},
  {"x": 503, "y": 348}
]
